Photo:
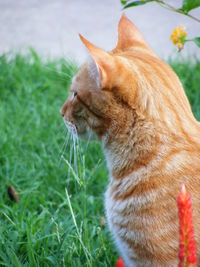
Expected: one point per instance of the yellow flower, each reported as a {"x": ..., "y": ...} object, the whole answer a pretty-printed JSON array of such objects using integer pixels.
[{"x": 178, "y": 37}]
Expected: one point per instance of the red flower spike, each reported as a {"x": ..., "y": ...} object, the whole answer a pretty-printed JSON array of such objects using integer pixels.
[
  {"x": 120, "y": 263},
  {"x": 187, "y": 247}
]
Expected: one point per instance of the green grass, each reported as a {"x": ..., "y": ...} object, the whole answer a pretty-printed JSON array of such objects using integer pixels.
[
  {"x": 189, "y": 74},
  {"x": 58, "y": 219}
]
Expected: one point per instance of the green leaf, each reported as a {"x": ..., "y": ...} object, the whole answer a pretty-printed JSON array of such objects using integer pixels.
[
  {"x": 190, "y": 4},
  {"x": 123, "y": 2},
  {"x": 197, "y": 41},
  {"x": 137, "y": 3}
]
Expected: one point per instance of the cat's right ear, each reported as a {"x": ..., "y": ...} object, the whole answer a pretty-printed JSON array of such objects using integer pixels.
[
  {"x": 94, "y": 72},
  {"x": 100, "y": 64}
]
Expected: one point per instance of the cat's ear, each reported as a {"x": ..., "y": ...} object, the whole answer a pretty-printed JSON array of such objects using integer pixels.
[
  {"x": 94, "y": 72},
  {"x": 129, "y": 35},
  {"x": 100, "y": 63}
]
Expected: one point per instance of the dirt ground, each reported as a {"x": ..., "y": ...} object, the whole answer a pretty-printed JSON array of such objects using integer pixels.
[{"x": 52, "y": 26}]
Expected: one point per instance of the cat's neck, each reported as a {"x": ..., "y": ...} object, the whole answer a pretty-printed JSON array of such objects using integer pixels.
[{"x": 130, "y": 148}]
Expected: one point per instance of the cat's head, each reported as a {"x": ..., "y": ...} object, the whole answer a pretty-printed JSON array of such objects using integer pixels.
[
  {"x": 113, "y": 87},
  {"x": 100, "y": 92}
]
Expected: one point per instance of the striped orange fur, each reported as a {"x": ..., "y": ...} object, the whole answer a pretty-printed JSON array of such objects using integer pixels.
[{"x": 135, "y": 104}]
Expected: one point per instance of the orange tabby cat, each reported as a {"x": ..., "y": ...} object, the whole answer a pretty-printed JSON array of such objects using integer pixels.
[{"x": 135, "y": 104}]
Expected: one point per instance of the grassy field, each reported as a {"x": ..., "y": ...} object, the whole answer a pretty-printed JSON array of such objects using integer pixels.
[{"x": 59, "y": 220}]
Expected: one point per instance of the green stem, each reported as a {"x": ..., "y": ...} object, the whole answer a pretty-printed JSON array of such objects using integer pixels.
[
  {"x": 168, "y": 6},
  {"x": 189, "y": 40}
]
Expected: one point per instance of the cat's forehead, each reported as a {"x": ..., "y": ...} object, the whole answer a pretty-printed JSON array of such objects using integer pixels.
[
  {"x": 81, "y": 74},
  {"x": 83, "y": 78},
  {"x": 79, "y": 78}
]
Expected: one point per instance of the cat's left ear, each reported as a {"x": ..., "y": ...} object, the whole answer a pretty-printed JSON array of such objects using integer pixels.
[
  {"x": 100, "y": 64},
  {"x": 129, "y": 35}
]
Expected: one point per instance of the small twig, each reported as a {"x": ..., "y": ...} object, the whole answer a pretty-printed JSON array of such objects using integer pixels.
[{"x": 172, "y": 8}]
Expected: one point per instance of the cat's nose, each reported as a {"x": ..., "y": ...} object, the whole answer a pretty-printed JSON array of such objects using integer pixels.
[{"x": 62, "y": 112}]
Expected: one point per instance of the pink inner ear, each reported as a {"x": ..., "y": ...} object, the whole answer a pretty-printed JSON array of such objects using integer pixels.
[
  {"x": 102, "y": 59},
  {"x": 94, "y": 72}
]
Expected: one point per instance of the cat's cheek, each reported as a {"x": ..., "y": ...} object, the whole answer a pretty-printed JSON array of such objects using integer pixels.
[
  {"x": 84, "y": 132},
  {"x": 87, "y": 135}
]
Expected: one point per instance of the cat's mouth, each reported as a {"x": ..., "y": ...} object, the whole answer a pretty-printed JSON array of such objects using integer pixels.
[
  {"x": 80, "y": 131},
  {"x": 74, "y": 129},
  {"x": 71, "y": 127}
]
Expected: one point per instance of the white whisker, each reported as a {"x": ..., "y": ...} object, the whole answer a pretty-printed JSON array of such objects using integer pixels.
[
  {"x": 62, "y": 151},
  {"x": 89, "y": 137},
  {"x": 70, "y": 159},
  {"x": 75, "y": 152}
]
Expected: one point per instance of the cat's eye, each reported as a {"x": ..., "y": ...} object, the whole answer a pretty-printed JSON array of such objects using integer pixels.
[{"x": 74, "y": 94}]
